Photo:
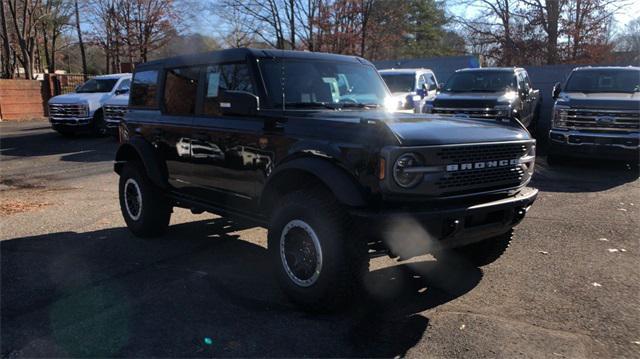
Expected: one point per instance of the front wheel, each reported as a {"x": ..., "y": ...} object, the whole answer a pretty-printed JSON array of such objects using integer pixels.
[
  {"x": 318, "y": 260},
  {"x": 144, "y": 208}
]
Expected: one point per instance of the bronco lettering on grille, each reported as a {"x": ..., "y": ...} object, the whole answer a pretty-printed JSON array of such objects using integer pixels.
[{"x": 480, "y": 165}]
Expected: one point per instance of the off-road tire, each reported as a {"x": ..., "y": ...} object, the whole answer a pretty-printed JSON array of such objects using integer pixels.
[
  {"x": 153, "y": 217},
  {"x": 480, "y": 253},
  {"x": 344, "y": 254}
]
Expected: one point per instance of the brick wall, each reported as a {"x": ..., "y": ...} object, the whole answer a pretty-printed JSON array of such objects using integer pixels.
[{"x": 21, "y": 99}]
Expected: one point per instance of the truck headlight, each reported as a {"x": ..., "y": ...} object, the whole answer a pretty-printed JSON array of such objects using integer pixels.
[
  {"x": 560, "y": 116},
  {"x": 402, "y": 173}
]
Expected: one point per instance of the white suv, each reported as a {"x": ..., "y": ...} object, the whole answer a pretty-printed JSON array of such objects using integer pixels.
[
  {"x": 410, "y": 87},
  {"x": 82, "y": 110}
]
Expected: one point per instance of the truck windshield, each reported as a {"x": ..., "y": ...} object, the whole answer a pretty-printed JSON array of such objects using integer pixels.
[
  {"x": 604, "y": 81},
  {"x": 322, "y": 84},
  {"x": 400, "y": 82},
  {"x": 481, "y": 81},
  {"x": 97, "y": 85}
]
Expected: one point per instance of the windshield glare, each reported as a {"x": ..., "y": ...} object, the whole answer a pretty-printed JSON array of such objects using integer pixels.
[
  {"x": 97, "y": 85},
  {"x": 604, "y": 81},
  {"x": 322, "y": 84},
  {"x": 481, "y": 81},
  {"x": 400, "y": 82}
]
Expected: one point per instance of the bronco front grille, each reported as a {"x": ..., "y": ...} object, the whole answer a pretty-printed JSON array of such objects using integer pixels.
[
  {"x": 608, "y": 120},
  {"x": 64, "y": 111},
  {"x": 487, "y": 152},
  {"x": 484, "y": 167}
]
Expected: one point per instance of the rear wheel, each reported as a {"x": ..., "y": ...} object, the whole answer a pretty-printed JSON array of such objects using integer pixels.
[
  {"x": 319, "y": 262},
  {"x": 144, "y": 208}
]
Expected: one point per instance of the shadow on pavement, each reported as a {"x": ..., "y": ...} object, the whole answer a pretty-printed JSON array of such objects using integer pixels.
[
  {"x": 582, "y": 175},
  {"x": 198, "y": 291},
  {"x": 81, "y": 148}
]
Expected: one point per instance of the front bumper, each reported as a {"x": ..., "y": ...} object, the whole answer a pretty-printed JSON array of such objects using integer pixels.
[
  {"x": 440, "y": 226},
  {"x": 595, "y": 144},
  {"x": 70, "y": 121}
]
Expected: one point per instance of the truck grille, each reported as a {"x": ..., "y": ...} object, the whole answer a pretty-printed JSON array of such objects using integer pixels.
[
  {"x": 500, "y": 167},
  {"x": 113, "y": 114},
  {"x": 487, "y": 113},
  {"x": 608, "y": 120},
  {"x": 59, "y": 111}
]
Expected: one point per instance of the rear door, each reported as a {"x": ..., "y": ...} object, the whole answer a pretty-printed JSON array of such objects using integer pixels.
[{"x": 173, "y": 133}]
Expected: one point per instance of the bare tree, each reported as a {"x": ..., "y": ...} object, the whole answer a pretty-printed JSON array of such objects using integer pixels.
[
  {"x": 56, "y": 17},
  {"x": 7, "y": 68},
  {"x": 25, "y": 17}
]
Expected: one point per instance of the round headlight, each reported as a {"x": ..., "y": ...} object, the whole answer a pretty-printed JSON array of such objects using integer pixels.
[{"x": 402, "y": 174}]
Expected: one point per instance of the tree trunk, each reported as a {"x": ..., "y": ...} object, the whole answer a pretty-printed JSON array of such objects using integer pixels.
[
  {"x": 6, "y": 50},
  {"x": 80, "y": 42},
  {"x": 553, "y": 19}
]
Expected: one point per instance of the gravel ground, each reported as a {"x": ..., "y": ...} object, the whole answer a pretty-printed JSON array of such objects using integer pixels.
[{"x": 75, "y": 282}]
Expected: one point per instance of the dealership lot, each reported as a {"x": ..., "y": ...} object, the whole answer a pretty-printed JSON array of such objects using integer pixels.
[{"x": 76, "y": 282}]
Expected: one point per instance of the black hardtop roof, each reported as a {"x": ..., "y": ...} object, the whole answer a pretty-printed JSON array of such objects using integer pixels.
[
  {"x": 492, "y": 69},
  {"x": 241, "y": 54}
]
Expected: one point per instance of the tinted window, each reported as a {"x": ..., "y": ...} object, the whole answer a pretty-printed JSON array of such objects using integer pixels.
[
  {"x": 322, "y": 84},
  {"x": 605, "y": 80},
  {"x": 97, "y": 85},
  {"x": 400, "y": 82},
  {"x": 220, "y": 78},
  {"x": 431, "y": 80},
  {"x": 144, "y": 89},
  {"x": 481, "y": 81},
  {"x": 180, "y": 91}
]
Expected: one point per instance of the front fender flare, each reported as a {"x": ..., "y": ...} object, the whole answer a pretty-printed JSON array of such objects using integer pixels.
[{"x": 343, "y": 185}]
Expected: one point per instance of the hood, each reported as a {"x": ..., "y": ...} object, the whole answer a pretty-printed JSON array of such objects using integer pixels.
[
  {"x": 120, "y": 100},
  {"x": 423, "y": 130},
  {"x": 601, "y": 100},
  {"x": 473, "y": 99},
  {"x": 80, "y": 98}
]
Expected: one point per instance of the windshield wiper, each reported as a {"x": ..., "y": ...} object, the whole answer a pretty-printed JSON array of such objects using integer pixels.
[
  {"x": 359, "y": 105},
  {"x": 311, "y": 105}
]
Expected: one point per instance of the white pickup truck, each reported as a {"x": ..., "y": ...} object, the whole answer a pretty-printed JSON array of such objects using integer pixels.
[{"x": 82, "y": 111}]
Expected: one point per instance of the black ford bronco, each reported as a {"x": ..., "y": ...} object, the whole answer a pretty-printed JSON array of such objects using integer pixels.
[
  {"x": 490, "y": 93},
  {"x": 302, "y": 144}
]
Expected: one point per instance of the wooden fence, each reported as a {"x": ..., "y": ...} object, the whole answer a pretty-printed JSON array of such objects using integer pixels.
[{"x": 22, "y": 99}]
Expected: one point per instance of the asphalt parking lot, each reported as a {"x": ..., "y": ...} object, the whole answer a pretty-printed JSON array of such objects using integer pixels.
[{"x": 75, "y": 282}]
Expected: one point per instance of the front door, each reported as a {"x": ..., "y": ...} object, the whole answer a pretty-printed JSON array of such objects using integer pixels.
[{"x": 226, "y": 152}]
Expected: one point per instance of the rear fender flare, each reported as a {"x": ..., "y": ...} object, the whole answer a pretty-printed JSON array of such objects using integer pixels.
[{"x": 137, "y": 149}]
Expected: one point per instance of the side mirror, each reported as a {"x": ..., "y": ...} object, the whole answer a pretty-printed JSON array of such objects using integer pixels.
[
  {"x": 440, "y": 86},
  {"x": 238, "y": 103},
  {"x": 77, "y": 88},
  {"x": 523, "y": 92},
  {"x": 122, "y": 91},
  {"x": 557, "y": 88}
]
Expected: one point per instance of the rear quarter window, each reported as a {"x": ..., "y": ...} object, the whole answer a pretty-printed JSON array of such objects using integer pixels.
[{"x": 144, "y": 89}]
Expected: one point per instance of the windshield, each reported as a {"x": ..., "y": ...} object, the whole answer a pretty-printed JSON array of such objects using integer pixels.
[
  {"x": 97, "y": 85},
  {"x": 604, "y": 81},
  {"x": 400, "y": 82},
  {"x": 322, "y": 84},
  {"x": 481, "y": 81}
]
